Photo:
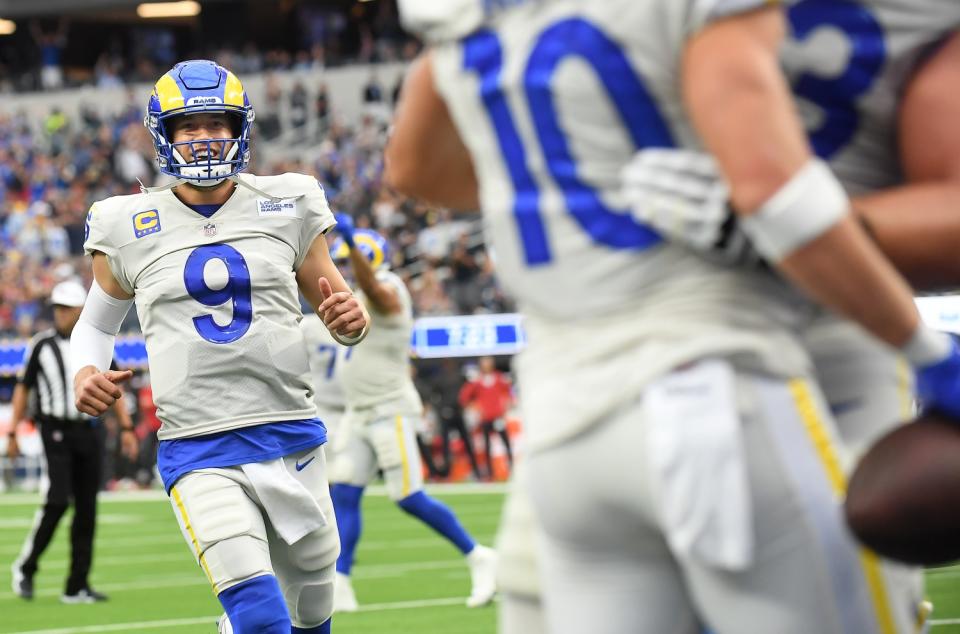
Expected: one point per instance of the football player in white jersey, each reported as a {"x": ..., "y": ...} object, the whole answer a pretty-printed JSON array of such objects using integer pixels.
[
  {"x": 214, "y": 262},
  {"x": 326, "y": 361},
  {"x": 378, "y": 430},
  {"x": 683, "y": 463}
]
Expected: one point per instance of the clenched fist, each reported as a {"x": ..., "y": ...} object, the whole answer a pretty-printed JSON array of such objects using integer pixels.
[
  {"x": 341, "y": 312},
  {"x": 97, "y": 391}
]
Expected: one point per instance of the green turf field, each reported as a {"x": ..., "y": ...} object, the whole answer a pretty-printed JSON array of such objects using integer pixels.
[{"x": 407, "y": 579}]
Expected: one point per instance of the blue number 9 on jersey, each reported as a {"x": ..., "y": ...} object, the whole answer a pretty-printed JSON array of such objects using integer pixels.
[{"x": 236, "y": 290}]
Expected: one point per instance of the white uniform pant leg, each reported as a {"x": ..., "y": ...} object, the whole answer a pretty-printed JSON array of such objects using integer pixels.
[
  {"x": 809, "y": 574},
  {"x": 394, "y": 442},
  {"x": 520, "y": 610},
  {"x": 607, "y": 567},
  {"x": 870, "y": 390},
  {"x": 354, "y": 461},
  {"x": 222, "y": 525},
  {"x": 305, "y": 569}
]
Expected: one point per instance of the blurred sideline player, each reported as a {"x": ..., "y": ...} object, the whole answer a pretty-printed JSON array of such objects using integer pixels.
[
  {"x": 378, "y": 429},
  {"x": 730, "y": 515},
  {"x": 214, "y": 261}
]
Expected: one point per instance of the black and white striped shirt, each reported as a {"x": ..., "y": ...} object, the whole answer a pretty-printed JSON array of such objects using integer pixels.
[{"x": 47, "y": 376}]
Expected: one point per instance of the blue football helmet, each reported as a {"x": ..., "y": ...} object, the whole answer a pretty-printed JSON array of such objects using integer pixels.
[
  {"x": 371, "y": 244},
  {"x": 193, "y": 87}
]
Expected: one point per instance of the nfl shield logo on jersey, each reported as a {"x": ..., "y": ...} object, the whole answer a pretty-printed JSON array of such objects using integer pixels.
[{"x": 209, "y": 229}]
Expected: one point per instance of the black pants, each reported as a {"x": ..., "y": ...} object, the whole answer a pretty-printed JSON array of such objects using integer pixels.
[
  {"x": 74, "y": 461},
  {"x": 498, "y": 426},
  {"x": 449, "y": 424}
]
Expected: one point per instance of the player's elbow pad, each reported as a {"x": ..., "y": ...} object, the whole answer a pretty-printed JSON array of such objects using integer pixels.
[
  {"x": 801, "y": 211},
  {"x": 92, "y": 340}
]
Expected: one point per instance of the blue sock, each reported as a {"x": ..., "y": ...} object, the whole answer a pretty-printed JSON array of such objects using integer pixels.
[
  {"x": 346, "y": 506},
  {"x": 320, "y": 629},
  {"x": 439, "y": 517},
  {"x": 256, "y": 607}
]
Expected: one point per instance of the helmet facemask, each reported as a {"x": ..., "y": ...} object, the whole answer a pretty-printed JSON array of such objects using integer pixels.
[{"x": 213, "y": 160}]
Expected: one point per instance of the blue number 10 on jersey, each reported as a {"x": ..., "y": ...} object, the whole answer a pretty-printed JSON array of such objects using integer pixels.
[{"x": 614, "y": 228}]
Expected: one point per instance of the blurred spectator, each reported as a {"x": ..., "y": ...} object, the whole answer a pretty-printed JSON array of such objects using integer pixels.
[
  {"x": 50, "y": 45},
  {"x": 372, "y": 91},
  {"x": 298, "y": 109},
  {"x": 487, "y": 398},
  {"x": 440, "y": 386}
]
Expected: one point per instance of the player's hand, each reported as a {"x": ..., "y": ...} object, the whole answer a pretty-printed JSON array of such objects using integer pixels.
[
  {"x": 341, "y": 312},
  {"x": 682, "y": 195},
  {"x": 346, "y": 228},
  {"x": 13, "y": 448},
  {"x": 129, "y": 444},
  {"x": 97, "y": 391},
  {"x": 938, "y": 384}
]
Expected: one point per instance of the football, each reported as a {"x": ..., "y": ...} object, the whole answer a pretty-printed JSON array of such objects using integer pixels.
[{"x": 903, "y": 500}]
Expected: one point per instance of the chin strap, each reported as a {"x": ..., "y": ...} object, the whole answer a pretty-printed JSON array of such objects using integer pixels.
[
  {"x": 162, "y": 188},
  {"x": 242, "y": 183}
]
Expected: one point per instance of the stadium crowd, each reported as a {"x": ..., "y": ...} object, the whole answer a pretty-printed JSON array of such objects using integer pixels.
[{"x": 53, "y": 166}]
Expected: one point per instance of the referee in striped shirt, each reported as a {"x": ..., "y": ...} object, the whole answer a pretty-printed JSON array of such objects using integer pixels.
[{"x": 72, "y": 444}]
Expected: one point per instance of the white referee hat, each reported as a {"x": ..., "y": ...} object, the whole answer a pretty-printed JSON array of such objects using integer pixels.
[{"x": 68, "y": 294}]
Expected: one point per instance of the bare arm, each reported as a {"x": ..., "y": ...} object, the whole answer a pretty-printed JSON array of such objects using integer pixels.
[
  {"x": 425, "y": 157},
  {"x": 918, "y": 225},
  {"x": 18, "y": 405},
  {"x": 738, "y": 99},
  {"x": 335, "y": 303},
  {"x": 383, "y": 297}
]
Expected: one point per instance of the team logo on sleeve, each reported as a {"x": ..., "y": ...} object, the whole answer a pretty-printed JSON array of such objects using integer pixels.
[
  {"x": 277, "y": 207},
  {"x": 146, "y": 222}
]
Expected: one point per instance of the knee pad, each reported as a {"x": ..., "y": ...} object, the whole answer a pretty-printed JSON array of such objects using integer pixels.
[
  {"x": 308, "y": 588},
  {"x": 256, "y": 606},
  {"x": 233, "y": 561},
  {"x": 311, "y": 603},
  {"x": 384, "y": 438}
]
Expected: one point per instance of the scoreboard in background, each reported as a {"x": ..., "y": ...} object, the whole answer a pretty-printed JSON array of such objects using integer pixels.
[
  {"x": 433, "y": 337},
  {"x": 460, "y": 336},
  {"x": 467, "y": 335}
]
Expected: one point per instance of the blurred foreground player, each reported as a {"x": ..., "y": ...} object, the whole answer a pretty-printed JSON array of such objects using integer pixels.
[{"x": 638, "y": 348}]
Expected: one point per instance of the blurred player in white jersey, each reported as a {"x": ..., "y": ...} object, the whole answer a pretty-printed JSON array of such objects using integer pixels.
[
  {"x": 214, "y": 262},
  {"x": 378, "y": 430},
  {"x": 852, "y": 116},
  {"x": 682, "y": 462},
  {"x": 326, "y": 361}
]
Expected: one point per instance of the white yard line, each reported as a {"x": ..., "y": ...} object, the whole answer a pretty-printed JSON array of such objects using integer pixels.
[
  {"x": 153, "y": 625},
  {"x": 380, "y": 571},
  {"x": 378, "y": 490},
  {"x": 936, "y": 622}
]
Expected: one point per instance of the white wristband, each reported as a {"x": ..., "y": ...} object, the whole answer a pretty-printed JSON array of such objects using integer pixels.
[
  {"x": 805, "y": 208},
  {"x": 926, "y": 347},
  {"x": 351, "y": 341}
]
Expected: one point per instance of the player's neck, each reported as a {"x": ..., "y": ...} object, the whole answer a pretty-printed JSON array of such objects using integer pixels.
[{"x": 193, "y": 195}]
